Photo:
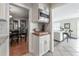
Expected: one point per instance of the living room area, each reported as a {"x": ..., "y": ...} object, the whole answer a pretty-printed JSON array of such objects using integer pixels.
[{"x": 66, "y": 29}]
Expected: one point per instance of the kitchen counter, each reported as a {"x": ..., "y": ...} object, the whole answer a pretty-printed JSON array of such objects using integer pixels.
[
  {"x": 40, "y": 43},
  {"x": 40, "y": 33}
]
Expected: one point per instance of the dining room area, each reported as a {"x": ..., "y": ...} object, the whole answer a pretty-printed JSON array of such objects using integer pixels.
[{"x": 18, "y": 32}]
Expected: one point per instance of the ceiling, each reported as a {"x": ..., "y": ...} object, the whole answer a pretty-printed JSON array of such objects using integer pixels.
[
  {"x": 66, "y": 11},
  {"x": 61, "y": 10},
  {"x": 54, "y": 5},
  {"x": 18, "y": 12}
]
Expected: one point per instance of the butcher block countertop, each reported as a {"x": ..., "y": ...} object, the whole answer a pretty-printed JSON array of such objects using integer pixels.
[{"x": 40, "y": 33}]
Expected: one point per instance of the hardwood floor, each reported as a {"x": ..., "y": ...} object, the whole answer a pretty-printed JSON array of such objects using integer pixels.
[
  {"x": 19, "y": 49},
  {"x": 70, "y": 48}
]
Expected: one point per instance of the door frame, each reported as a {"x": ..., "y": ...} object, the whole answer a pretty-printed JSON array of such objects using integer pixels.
[{"x": 29, "y": 20}]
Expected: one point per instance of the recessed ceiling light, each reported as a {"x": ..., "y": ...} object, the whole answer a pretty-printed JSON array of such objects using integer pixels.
[{"x": 10, "y": 16}]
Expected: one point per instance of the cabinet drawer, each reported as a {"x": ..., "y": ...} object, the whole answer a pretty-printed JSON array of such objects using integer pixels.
[{"x": 44, "y": 37}]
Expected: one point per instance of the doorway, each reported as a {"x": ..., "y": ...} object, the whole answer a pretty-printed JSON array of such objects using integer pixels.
[{"x": 18, "y": 32}]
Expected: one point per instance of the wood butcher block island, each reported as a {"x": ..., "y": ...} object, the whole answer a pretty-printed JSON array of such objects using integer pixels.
[
  {"x": 40, "y": 43},
  {"x": 40, "y": 33}
]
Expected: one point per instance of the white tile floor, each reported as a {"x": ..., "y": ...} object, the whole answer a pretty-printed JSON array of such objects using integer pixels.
[{"x": 70, "y": 48}]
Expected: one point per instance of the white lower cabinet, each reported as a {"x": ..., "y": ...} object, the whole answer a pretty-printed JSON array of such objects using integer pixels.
[
  {"x": 40, "y": 44},
  {"x": 3, "y": 48}
]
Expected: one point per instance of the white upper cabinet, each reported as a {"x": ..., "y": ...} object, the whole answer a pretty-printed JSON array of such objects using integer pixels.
[
  {"x": 40, "y": 12},
  {"x": 44, "y": 7},
  {"x": 43, "y": 13},
  {"x": 2, "y": 10}
]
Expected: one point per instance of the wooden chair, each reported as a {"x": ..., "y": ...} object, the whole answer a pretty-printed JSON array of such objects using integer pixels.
[{"x": 14, "y": 37}]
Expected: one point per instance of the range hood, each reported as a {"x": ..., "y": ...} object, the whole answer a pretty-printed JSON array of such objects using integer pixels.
[
  {"x": 43, "y": 16},
  {"x": 43, "y": 20}
]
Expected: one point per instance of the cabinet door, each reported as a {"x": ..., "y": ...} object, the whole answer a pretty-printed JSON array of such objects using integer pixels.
[
  {"x": 44, "y": 44},
  {"x": 2, "y": 10},
  {"x": 47, "y": 44},
  {"x": 41, "y": 46}
]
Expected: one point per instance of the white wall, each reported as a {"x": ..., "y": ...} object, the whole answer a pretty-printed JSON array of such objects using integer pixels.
[
  {"x": 18, "y": 12},
  {"x": 73, "y": 26},
  {"x": 56, "y": 26},
  {"x": 51, "y": 30},
  {"x": 78, "y": 29},
  {"x": 66, "y": 11}
]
